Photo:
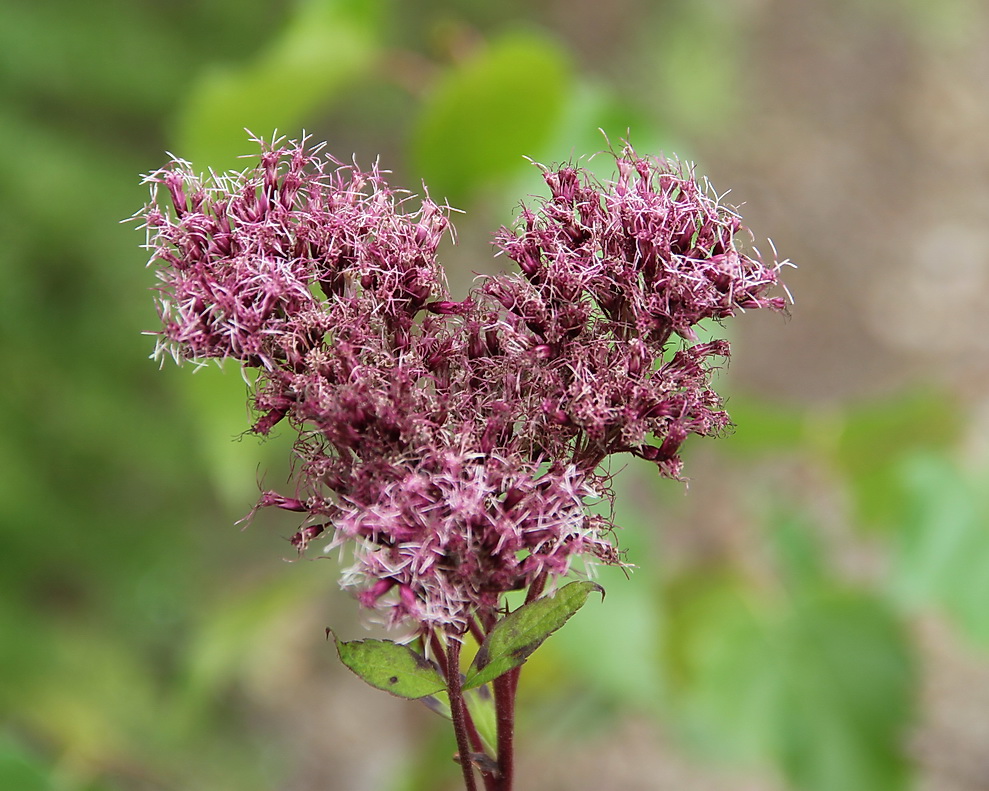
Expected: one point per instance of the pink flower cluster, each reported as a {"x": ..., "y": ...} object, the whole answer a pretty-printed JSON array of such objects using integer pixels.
[{"x": 454, "y": 446}]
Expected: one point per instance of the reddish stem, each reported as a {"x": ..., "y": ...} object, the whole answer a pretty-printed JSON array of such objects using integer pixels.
[
  {"x": 475, "y": 629},
  {"x": 505, "y": 687},
  {"x": 475, "y": 737},
  {"x": 458, "y": 711},
  {"x": 436, "y": 647},
  {"x": 504, "y": 693}
]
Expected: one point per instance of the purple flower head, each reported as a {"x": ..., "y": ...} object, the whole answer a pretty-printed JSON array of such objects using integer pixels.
[
  {"x": 250, "y": 262},
  {"x": 610, "y": 272},
  {"x": 454, "y": 532},
  {"x": 453, "y": 448}
]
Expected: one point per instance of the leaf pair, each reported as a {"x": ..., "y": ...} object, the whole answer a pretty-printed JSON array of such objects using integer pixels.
[{"x": 403, "y": 672}]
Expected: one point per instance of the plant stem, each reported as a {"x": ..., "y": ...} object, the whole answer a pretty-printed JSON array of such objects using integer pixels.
[
  {"x": 436, "y": 645},
  {"x": 505, "y": 687},
  {"x": 476, "y": 742},
  {"x": 475, "y": 630},
  {"x": 504, "y": 692},
  {"x": 458, "y": 711}
]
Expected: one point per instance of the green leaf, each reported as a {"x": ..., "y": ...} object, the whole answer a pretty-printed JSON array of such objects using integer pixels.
[
  {"x": 480, "y": 704},
  {"x": 942, "y": 544},
  {"x": 592, "y": 119},
  {"x": 518, "y": 634},
  {"x": 718, "y": 666},
  {"x": 487, "y": 114},
  {"x": 796, "y": 547},
  {"x": 327, "y": 45},
  {"x": 847, "y": 698},
  {"x": 21, "y": 770},
  {"x": 821, "y": 686},
  {"x": 877, "y": 439},
  {"x": 867, "y": 443},
  {"x": 392, "y": 667}
]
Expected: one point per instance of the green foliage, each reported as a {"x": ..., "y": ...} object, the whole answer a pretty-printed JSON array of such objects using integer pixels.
[
  {"x": 21, "y": 772},
  {"x": 521, "y": 632},
  {"x": 401, "y": 671},
  {"x": 801, "y": 558},
  {"x": 25, "y": 772},
  {"x": 325, "y": 46},
  {"x": 876, "y": 439},
  {"x": 866, "y": 444},
  {"x": 486, "y": 115},
  {"x": 695, "y": 62},
  {"x": 481, "y": 705},
  {"x": 941, "y": 549},
  {"x": 396, "y": 669},
  {"x": 820, "y": 685}
]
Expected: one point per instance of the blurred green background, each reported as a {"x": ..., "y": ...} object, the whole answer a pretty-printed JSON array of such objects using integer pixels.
[{"x": 813, "y": 614}]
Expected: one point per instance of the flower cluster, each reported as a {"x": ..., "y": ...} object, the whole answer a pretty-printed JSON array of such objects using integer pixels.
[{"x": 454, "y": 446}]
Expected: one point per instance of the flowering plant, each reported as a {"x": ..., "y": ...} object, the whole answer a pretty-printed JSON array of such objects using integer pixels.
[{"x": 453, "y": 448}]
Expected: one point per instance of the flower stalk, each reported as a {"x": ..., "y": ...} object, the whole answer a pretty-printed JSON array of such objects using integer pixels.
[
  {"x": 458, "y": 709},
  {"x": 453, "y": 449},
  {"x": 504, "y": 694}
]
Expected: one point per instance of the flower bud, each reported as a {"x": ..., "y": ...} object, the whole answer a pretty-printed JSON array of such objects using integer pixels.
[
  {"x": 306, "y": 534},
  {"x": 277, "y": 500},
  {"x": 447, "y": 308}
]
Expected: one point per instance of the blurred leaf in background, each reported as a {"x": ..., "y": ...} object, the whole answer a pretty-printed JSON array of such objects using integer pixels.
[
  {"x": 941, "y": 547},
  {"x": 819, "y": 684},
  {"x": 484, "y": 112},
  {"x": 324, "y": 46}
]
